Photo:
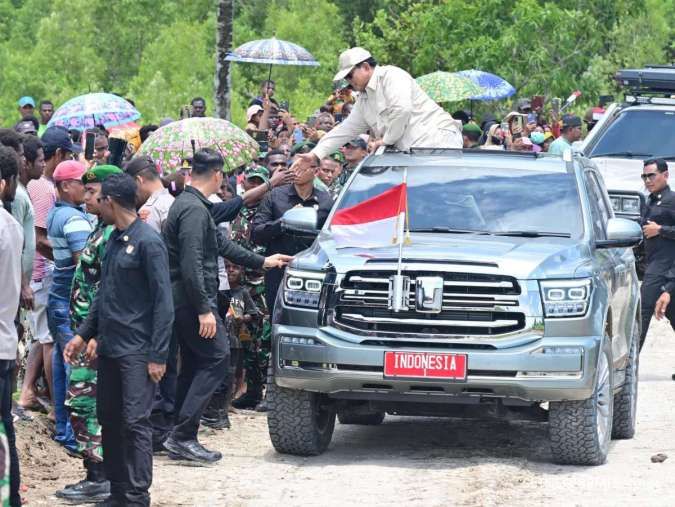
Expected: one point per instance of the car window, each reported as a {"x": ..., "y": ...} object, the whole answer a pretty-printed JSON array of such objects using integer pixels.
[
  {"x": 643, "y": 133},
  {"x": 479, "y": 199},
  {"x": 599, "y": 212}
]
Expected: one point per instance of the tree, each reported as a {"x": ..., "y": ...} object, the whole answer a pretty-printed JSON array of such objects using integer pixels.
[{"x": 223, "y": 81}]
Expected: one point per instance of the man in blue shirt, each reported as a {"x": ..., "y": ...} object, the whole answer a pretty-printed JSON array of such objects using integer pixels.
[
  {"x": 571, "y": 132},
  {"x": 68, "y": 228}
]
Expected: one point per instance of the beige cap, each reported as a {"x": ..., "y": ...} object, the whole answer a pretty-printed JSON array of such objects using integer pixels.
[
  {"x": 252, "y": 111},
  {"x": 349, "y": 59}
]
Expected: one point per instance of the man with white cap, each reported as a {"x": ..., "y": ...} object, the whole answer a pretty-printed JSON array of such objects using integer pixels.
[{"x": 391, "y": 105}]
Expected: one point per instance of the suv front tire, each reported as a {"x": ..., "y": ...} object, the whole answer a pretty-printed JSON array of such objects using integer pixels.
[
  {"x": 580, "y": 431},
  {"x": 299, "y": 422}
]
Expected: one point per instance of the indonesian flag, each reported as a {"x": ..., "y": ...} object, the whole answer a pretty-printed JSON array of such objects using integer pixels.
[{"x": 375, "y": 222}]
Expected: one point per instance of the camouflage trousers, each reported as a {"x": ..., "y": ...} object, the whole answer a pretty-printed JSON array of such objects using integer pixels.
[
  {"x": 4, "y": 467},
  {"x": 257, "y": 351},
  {"x": 81, "y": 402}
]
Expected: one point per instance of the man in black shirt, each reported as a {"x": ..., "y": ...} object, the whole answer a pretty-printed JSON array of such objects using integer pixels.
[
  {"x": 194, "y": 245},
  {"x": 267, "y": 231},
  {"x": 658, "y": 226},
  {"x": 131, "y": 318}
]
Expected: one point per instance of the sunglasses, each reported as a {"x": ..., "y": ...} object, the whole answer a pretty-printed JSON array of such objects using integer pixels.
[{"x": 649, "y": 176}]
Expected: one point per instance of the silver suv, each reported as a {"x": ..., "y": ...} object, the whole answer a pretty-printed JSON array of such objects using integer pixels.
[{"x": 522, "y": 294}]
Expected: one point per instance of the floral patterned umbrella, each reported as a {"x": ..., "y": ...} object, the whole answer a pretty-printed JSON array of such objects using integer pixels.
[
  {"x": 494, "y": 87},
  {"x": 448, "y": 87},
  {"x": 172, "y": 143},
  {"x": 92, "y": 109}
]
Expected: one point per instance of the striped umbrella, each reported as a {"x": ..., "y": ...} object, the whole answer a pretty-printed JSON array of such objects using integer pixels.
[{"x": 272, "y": 52}]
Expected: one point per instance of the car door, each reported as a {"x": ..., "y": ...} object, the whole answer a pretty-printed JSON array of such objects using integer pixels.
[{"x": 615, "y": 265}]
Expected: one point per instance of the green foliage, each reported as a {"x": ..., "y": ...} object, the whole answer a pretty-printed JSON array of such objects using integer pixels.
[{"x": 162, "y": 54}]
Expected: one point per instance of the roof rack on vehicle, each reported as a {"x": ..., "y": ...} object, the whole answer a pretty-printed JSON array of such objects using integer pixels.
[{"x": 651, "y": 80}]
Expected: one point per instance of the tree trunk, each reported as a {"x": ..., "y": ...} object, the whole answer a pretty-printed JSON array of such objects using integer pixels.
[{"x": 223, "y": 79}]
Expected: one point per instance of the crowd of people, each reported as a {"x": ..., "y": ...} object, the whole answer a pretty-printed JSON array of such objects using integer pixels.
[{"x": 148, "y": 297}]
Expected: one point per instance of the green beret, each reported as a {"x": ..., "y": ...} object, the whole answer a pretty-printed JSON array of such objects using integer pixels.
[
  {"x": 99, "y": 173},
  {"x": 337, "y": 156},
  {"x": 472, "y": 128},
  {"x": 303, "y": 147},
  {"x": 257, "y": 172}
]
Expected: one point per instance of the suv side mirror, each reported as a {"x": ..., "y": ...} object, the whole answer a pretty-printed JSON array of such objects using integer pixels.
[
  {"x": 621, "y": 233},
  {"x": 300, "y": 222}
]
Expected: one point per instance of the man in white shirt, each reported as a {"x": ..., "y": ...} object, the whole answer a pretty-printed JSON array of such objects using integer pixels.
[
  {"x": 11, "y": 245},
  {"x": 152, "y": 198},
  {"x": 391, "y": 106}
]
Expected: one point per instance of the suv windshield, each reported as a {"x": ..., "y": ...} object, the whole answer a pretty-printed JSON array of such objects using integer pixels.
[
  {"x": 637, "y": 133},
  {"x": 492, "y": 200}
]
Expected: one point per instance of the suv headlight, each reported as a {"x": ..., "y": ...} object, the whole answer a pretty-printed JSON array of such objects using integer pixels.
[
  {"x": 565, "y": 298},
  {"x": 303, "y": 288},
  {"x": 625, "y": 204}
]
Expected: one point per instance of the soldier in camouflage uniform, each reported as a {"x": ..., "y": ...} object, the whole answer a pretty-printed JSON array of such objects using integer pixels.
[
  {"x": 257, "y": 349},
  {"x": 81, "y": 396}
]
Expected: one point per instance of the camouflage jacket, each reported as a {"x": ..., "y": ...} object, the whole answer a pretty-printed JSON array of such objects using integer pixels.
[
  {"x": 88, "y": 274},
  {"x": 241, "y": 234}
]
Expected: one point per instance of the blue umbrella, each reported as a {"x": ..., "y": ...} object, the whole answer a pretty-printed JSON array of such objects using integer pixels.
[
  {"x": 494, "y": 87},
  {"x": 272, "y": 52}
]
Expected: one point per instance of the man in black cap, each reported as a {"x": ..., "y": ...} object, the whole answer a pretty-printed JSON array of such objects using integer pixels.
[
  {"x": 354, "y": 151},
  {"x": 128, "y": 327},
  {"x": 571, "y": 132}
]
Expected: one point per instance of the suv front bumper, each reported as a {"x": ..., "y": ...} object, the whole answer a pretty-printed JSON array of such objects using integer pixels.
[{"x": 532, "y": 368}]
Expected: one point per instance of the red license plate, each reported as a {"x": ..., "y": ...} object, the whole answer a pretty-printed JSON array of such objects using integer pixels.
[{"x": 425, "y": 365}]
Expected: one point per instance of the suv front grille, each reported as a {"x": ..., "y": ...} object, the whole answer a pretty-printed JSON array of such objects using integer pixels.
[{"x": 473, "y": 304}]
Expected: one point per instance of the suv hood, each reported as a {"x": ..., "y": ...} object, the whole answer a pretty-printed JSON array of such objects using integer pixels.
[
  {"x": 621, "y": 174},
  {"x": 523, "y": 258}
]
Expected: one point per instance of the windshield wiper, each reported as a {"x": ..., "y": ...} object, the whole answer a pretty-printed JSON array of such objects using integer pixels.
[
  {"x": 628, "y": 154},
  {"x": 448, "y": 230},
  {"x": 532, "y": 234}
]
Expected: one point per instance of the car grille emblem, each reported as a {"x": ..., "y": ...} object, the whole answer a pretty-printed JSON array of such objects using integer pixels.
[{"x": 429, "y": 294}]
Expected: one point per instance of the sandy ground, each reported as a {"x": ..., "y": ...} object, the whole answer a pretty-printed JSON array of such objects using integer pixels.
[{"x": 408, "y": 461}]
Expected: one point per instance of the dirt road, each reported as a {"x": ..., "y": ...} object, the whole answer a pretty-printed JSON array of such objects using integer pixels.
[{"x": 413, "y": 461}]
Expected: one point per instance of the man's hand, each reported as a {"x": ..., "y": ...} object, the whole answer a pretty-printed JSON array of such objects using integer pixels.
[
  {"x": 303, "y": 161},
  {"x": 662, "y": 305},
  {"x": 73, "y": 349},
  {"x": 651, "y": 230},
  {"x": 207, "y": 325},
  {"x": 156, "y": 371},
  {"x": 281, "y": 177},
  {"x": 374, "y": 144},
  {"x": 92, "y": 347},
  {"x": 26, "y": 297},
  {"x": 277, "y": 261}
]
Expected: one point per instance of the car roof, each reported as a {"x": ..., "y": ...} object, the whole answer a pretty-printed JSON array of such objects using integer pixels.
[
  {"x": 470, "y": 158},
  {"x": 625, "y": 107}
]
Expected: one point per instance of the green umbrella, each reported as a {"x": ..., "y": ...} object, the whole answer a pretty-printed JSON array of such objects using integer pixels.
[
  {"x": 170, "y": 144},
  {"x": 448, "y": 87}
]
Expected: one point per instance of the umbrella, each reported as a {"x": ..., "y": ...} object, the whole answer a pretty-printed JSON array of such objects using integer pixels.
[
  {"x": 172, "y": 143},
  {"x": 92, "y": 109},
  {"x": 272, "y": 52},
  {"x": 448, "y": 87},
  {"x": 494, "y": 87}
]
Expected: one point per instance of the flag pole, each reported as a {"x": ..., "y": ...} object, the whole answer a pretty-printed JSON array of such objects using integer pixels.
[
  {"x": 399, "y": 285},
  {"x": 401, "y": 226}
]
